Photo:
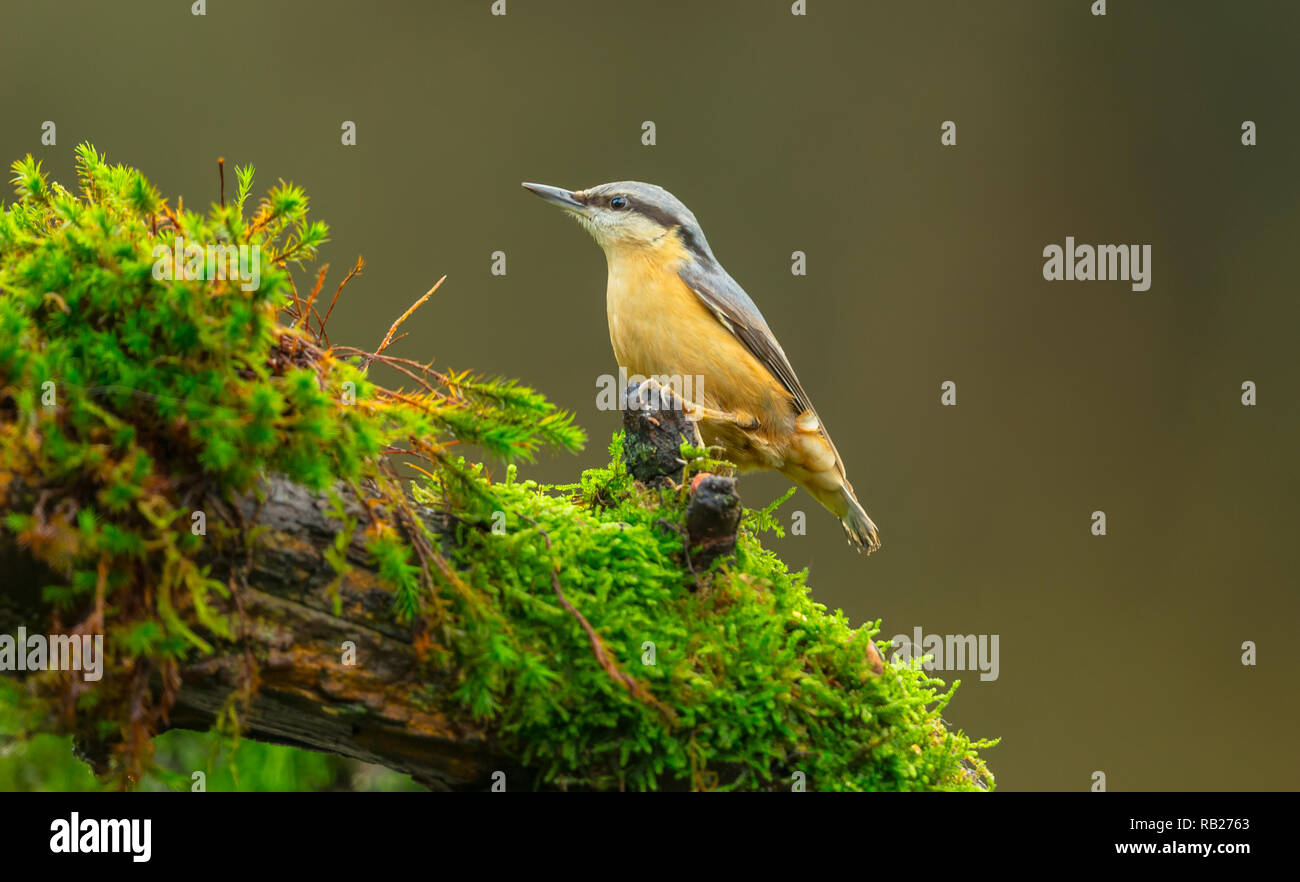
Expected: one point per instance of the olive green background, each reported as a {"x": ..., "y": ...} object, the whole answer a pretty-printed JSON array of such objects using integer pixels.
[{"x": 1120, "y": 653}]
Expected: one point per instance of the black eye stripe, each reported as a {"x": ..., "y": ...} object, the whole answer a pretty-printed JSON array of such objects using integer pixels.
[{"x": 659, "y": 216}]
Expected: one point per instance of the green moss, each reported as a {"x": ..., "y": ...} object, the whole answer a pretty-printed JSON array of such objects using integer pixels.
[
  {"x": 169, "y": 395},
  {"x": 754, "y": 680}
]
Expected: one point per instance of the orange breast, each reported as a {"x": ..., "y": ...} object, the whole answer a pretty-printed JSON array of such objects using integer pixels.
[{"x": 659, "y": 327}]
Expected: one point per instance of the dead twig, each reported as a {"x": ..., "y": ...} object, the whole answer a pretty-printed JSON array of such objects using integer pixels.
[
  {"x": 388, "y": 338},
  {"x": 356, "y": 270},
  {"x": 305, "y": 318}
]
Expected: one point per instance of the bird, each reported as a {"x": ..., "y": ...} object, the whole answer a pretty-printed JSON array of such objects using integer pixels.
[{"x": 673, "y": 311}]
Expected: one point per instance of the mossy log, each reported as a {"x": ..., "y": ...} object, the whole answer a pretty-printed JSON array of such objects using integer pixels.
[{"x": 383, "y": 709}]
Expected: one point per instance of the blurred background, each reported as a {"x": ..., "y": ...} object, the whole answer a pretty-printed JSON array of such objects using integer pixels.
[{"x": 821, "y": 133}]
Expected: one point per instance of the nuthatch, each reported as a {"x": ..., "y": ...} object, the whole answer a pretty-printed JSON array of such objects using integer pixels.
[{"x": 675, "y": 312}]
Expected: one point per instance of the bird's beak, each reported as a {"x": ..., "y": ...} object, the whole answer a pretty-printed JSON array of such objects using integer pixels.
[{"x": 558, "y": 196}]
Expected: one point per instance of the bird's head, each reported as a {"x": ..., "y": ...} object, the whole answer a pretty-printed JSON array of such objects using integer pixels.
[{"x": 630, "y": 215}]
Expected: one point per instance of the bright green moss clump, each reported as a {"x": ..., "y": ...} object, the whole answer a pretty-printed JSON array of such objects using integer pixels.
[
  {"x": 130, "y": 400},
  {"x": 754, "y": 681}
]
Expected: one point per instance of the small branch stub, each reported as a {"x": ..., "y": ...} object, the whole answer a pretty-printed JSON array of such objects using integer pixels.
[
  {"x": 712, "y": 519},
  {"x": 656, "y": 425}
]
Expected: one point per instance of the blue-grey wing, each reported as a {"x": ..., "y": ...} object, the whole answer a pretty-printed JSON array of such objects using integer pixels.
[{"x": 737, "y": 313}]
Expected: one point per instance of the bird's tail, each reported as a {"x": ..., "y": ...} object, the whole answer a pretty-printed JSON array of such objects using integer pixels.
[
  {"x": 858, "y": 525},
  {"x": 815, "y": 464}
]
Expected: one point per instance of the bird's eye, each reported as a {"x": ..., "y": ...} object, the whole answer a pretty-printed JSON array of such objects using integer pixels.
[{"x": 618, "y": 202}]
